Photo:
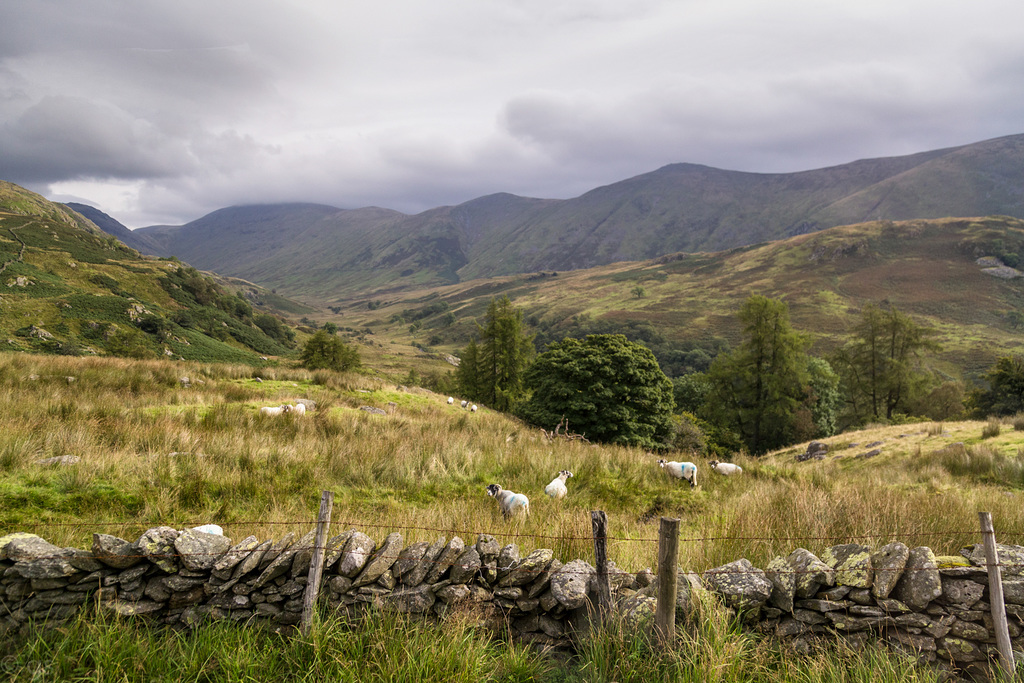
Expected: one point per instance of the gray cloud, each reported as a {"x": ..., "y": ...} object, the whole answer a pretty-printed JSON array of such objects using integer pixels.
[{"x": 165, "y": 110}]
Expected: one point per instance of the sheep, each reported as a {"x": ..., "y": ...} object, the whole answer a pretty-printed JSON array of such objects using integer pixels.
[
  {"x": 725, "y": 468},
  {"x": 473, "y": 408},
  {"x": 681, "y": 470},
  {"x": 464, "y": 403},
  {"x": 557, "y": 489},
  {"x": 275, "y": 410},
  {"x": 451, "y": 400},
  {"x": 510, "y": 503},
  {"x": 299, "y": 409}
]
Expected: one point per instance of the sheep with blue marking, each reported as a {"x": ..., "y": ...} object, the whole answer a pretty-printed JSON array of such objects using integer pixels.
[
  {"x": 681, "y": 470},
  {"x": 509, "y": 503}
]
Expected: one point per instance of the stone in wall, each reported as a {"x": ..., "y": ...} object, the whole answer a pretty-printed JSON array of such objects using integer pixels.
[
  {"x": 920, "y": 583},
  {"x": 889, "y": 562},
  {"x": 744, "y": 586}
]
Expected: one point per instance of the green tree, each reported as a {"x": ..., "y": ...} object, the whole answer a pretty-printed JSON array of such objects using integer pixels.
[
  {"x": 690, "y": 391},
  {"x": 1005, "y": 393},
  {"x": 880, "y": 365},
  {"x": 327, "y": 352},
  {"x": 494, "y": 375},
  {"x": 825, "y": 399},
  {"x": 608, "y": 388},
  {"x": 757, "y": 389}
]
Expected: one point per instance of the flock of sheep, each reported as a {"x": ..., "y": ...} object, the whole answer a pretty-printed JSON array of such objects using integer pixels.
[{"x": 511, "y": 503}]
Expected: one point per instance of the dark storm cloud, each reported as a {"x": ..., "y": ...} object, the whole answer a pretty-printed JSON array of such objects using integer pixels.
[{"x": 163, "y": 111}]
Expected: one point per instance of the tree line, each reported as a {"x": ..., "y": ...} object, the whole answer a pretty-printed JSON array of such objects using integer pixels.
[{"x": 766, "y": 393}]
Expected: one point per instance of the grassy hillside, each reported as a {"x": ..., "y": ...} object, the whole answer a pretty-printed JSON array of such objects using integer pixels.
[
  {"x": 66, "y": 287},
  {"x": 928, "y": 269},
  {"x": 154, "y": 452},
  {"x": 320, "y": 252}
]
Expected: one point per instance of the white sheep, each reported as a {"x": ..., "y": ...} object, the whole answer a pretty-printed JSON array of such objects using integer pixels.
[
  {"x": 725, "y": 468},
  {"x": 451, "y": 400},
  {"x": 275, "y": 410},
  {"x": 557, "y": 489},
  {"x": 510, "y": 503},
  {"x": 464, "y": 403},
  {"x": 681, "y": 470},
  {"x": 299, "y": 409},
  {"x": 473, "y": 408}
]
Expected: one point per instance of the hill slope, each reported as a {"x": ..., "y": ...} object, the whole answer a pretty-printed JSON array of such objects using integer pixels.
[
  {"x": 946, "y": 273},
  {"x": 71, "y": 289},
  {"x": 331, "y": 254}
]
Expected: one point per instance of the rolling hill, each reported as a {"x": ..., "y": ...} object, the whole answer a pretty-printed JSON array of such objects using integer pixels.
[
  {"x": 69, "y": 288},
  {"x": 951, "y": 274},
  {"x": 327, "y": 254}
]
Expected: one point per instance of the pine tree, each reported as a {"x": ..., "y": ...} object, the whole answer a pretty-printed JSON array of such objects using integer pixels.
[{"x": 491, "y": 372}]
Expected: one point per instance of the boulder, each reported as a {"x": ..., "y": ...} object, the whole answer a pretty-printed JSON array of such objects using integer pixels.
[
  {"x": 811, "y": 573},
  {"x": 889, "y": 562},
  {"x": 380, "y": 561},
  {"x": 199, "y": 550},
  {"x": 157, "y": 545},
  {"x": 744, "y": 586},
  {"x": 357, "y": 552},
  {"x": 851, "y": 563},
  {"x": 115, "y": 552},
  {"x": 569, "y": 585},
  {"x": 920, "y": 583}
]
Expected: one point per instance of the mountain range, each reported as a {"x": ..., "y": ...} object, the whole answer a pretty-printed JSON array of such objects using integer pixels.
[{"x": 325, "y": 254}]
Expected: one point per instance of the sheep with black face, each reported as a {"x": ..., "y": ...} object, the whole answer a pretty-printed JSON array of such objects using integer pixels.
[{"x": 509, "y": 502}]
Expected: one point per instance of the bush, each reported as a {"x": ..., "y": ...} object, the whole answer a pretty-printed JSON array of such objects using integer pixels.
[{"x": 327, "y": 352}]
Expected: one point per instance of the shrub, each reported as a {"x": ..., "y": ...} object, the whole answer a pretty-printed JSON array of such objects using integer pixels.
[
  {"x": 991, "y": 429},
  {"x": 327, "y": 352}
]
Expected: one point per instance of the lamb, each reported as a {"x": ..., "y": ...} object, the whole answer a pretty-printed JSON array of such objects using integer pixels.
[
  {"x": 681, "y": 470},
  {"x": 299, "y": 409},
  {"x": 510, "y": 503},
  {"x": 725, "y": 468},
  {"x": 556, "y": 489},
  {"x": 275, "y": 410}
]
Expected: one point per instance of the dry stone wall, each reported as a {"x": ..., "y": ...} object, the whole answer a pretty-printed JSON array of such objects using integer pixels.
[{"x": 934, "y": 609}]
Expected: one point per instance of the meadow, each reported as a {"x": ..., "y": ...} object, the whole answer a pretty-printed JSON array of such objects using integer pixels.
[{"x": 155, "y": 450}]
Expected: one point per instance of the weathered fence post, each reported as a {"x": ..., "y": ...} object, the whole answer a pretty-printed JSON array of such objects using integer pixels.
[
  {"x": 995, "y": 594},
  {"x": 316, "y": 567},
  {"x": 599, "y": 520},
  {"x": 668, "y": 551}
]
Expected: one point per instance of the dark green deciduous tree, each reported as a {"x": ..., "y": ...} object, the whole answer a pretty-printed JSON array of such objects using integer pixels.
[
  {"x": 492, "y": 371},
  {"x": 757, "y": 389},
  {"x": 608, "y": 388},
  {"x": 1005, "y": 395},
  {"x": 327, "y": 352},
  {"x": 880, "y": 366}
]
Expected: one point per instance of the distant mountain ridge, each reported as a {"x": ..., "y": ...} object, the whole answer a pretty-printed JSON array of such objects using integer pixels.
[{"x": 328, "y": 253}]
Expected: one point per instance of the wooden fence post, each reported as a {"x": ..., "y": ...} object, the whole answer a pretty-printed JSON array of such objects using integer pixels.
[
  {"x": 995, "y": 594},
  {"x": 668, "y": 552},
  {"x": 316, "y": 567},
  {"x": 599, "y": 521}
]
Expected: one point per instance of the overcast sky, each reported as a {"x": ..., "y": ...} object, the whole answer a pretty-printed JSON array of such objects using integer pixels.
[{"x": 160, "y": 111}]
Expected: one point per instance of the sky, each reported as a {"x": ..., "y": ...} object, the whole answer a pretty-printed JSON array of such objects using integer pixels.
[{"x": 161, "y": 111}]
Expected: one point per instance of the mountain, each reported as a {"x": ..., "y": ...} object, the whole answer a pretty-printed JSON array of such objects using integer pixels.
[
  {"x": 960, "y": 277},
  {"x": 72, "y": 289},
  {"x": 111, "y": 226},
  {"x": 325, "y": 253}
]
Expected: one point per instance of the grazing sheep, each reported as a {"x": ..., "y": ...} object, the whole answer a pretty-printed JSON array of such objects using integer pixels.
[
  {"x": 510, "y": 503},
  {"x": 299, "y": 409},
  {"x": 725, "y": 468},
  {"x": 473, "y": 408},
  {"x": 275, "y": 410},
  {"x": 464, "y": 403},
  {"x": 451, "y": 400},
  {"x": 557, "y": 489},
  {"x": 209, "y": 529},
  {"x": 681, "y": 470}
]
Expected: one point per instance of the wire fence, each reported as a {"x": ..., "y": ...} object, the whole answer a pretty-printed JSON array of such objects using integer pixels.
[{"x": 169, "y": 554}]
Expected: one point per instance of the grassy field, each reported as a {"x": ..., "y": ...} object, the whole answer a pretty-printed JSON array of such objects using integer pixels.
[{"x": 155, "y": 451}]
